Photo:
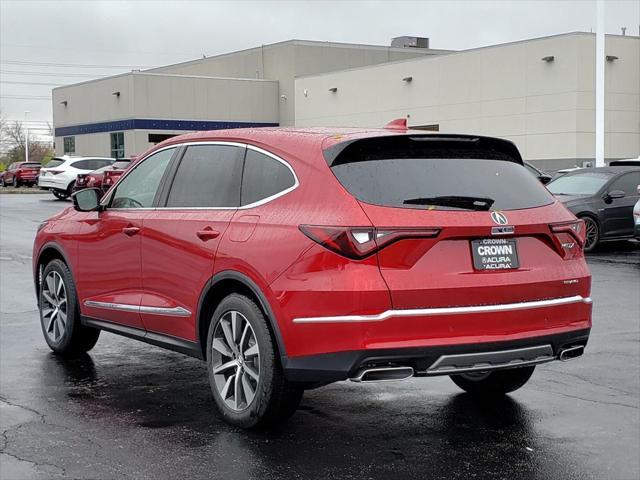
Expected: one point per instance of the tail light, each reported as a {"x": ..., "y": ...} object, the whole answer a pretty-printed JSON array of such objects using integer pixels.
[
  {"x": 360, "y": 242},
  {"x": 110, "y": 178},
  {"x": 569, "y": 238},
  {"x": 55, "y": 172}
]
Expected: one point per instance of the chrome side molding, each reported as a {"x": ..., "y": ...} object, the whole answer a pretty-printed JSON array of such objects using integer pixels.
[
  {"x": 419, "y": 312},
  {"x": 170, "y": 311}
]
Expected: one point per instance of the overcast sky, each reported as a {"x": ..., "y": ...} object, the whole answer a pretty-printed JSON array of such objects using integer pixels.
[{"x": 152, "y": 33}]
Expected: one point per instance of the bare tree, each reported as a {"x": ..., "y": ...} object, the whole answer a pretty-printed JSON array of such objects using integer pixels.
[{"x": 15, "y": 136}]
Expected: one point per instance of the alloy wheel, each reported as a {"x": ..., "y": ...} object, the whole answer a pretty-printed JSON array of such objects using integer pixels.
[
  {"x": 235, "y": 360},
  {"x": 53, "y": 307},
  {"x": 591, "y": 233}
]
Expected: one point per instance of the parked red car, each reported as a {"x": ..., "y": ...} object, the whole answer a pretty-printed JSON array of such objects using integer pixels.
[
  {"x": 103, "y": 178},
  {"x": 21, "y": 173},
  {"x": 292, "y": 258}
]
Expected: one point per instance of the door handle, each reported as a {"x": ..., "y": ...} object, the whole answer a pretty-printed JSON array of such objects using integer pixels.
[
  {"x": 130, "y": 231},
  {"x": 207, "y": 234}
]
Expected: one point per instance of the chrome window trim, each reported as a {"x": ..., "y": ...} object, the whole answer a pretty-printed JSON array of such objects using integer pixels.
[
  {"x": 248, "y": 146},
  {"x": 420, "y": 312},
  {"x": 170, "y": 311}
]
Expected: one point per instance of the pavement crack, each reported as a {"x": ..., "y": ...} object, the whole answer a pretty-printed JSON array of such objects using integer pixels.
[
  {"x": 591, "y": 382},
  {"x": 590, "y": 400},
  {"x": 62, "y": 470}
]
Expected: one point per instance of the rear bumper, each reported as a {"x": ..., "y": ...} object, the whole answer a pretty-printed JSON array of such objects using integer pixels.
[
  {"x": 49, "y": 183},
  {"x": 433, "y": 327},
  {"x": 333, "y": 367}
]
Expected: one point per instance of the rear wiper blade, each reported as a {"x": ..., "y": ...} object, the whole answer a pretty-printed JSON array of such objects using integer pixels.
[{"x": 467, "y": 203}]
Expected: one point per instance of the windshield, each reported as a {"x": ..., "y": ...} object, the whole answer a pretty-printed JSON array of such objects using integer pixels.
[
  {"x": 120, "y": 164},
  {"x": 443, "y": 183},
  {"x": 30, "y": 165},
  {"x": 584, "y": 183}
]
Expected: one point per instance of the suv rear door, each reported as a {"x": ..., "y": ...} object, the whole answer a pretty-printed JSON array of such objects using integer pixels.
[
  {"x": 180, "y": 238},
  {"x": 471, "y": 191}
]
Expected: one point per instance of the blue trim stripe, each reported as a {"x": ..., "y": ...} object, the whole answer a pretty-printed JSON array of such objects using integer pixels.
[{"x": 149, "y": 124}]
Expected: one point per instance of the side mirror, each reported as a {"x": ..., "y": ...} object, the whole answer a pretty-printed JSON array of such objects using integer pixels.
[
  {"x": 616, "y": 194},
  {"x": 87, "y": 200},
  {"x": 544, "y": 178}
]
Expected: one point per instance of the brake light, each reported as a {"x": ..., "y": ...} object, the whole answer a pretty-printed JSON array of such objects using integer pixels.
[
  {"x": 360, "y": 242},
  {"x": 569, "y": 238},
  {"x": 55, "y": 172}
]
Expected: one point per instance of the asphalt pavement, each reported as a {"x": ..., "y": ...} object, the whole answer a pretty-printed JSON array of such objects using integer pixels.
[{"x": 131, "y": 410}]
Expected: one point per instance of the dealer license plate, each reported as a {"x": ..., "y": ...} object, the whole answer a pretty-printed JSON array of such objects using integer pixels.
[{"x": 495, "y": 254}]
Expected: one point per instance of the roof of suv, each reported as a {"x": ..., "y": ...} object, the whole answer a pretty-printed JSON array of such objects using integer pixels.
[{"x": 288, "y": 138}]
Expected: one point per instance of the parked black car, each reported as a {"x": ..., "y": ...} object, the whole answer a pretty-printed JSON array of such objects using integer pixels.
[{"x": 603, "y": 197}]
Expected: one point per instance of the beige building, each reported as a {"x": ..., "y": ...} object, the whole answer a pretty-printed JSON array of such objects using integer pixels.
[
  {"x": 538, "y": 93},
  {"x": 128, "y": 113}
]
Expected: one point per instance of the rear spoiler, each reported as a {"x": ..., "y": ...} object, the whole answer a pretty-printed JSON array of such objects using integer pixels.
[{"x": 422, "y": 146}]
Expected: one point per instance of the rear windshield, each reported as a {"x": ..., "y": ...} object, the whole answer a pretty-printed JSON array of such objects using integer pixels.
[
  {"x": 54, "y": 163},
  {"x": 30, "y": 165},
  {"x": 443, "y": 183}
]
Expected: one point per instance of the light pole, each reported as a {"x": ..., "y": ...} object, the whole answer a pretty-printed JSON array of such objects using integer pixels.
[{"x": 26, "y": 139}]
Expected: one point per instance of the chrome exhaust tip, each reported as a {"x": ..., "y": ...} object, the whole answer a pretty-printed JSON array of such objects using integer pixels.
[
  {"x": 570, "y": 353},
  {"x": 382, "y": 374}
]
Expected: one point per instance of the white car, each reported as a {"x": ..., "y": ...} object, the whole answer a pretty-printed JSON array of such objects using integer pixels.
[{"x": 60, "y": 173}]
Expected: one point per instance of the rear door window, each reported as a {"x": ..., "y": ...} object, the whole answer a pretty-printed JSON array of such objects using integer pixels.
[
  {"x": 264, "y": 177},
  {"x": 208, "y": 176},
  {"x": 628, "y": 183},
  {"x": 83, "y": 165}
]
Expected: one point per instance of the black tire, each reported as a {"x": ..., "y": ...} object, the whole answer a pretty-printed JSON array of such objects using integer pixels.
[
  {"x": 592, "y": 232},
  {"x": 59, "y": 194},
  {"x": 493, "y": 383},
  {"x": 275, "y": 399},
  {"x": 74, "y": 338},
  {"x": 16, "y": 183}
]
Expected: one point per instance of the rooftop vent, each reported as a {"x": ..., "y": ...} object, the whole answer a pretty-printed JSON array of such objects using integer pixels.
[{"x": 410, "y": 42}]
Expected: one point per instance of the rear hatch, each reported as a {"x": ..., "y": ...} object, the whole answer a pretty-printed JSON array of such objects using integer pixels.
[
  {"x": 459, "y": 221},
  {"x": 52, "y": 167},
  {"x": 29, "y": 170}
]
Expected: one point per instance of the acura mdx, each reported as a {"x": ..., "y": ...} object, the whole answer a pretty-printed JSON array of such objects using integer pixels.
[{"x": 289, "y": 259}]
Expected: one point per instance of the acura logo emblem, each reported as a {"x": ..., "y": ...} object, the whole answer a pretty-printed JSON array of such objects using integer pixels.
[{"x": 499, "y": 218}]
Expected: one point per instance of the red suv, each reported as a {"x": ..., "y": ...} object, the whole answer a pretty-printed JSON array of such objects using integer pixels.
[
  {"x": 21, "y": 173},
  {"x": 102, "y": 178},
  {"x": 292, "y": 258}
]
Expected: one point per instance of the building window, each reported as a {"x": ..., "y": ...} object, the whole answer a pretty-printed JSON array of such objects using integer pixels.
[
  {"x": 117, "y": 145},
  {"x": 69, "y": 145}
]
